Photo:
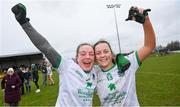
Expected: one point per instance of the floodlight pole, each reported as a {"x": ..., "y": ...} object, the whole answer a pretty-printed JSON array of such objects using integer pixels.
[{"x": 116, "y": 6}]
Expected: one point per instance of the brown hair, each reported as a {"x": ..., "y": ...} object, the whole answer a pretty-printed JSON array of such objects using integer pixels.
[
  {"x": 102, "y": 41},
  {"x": 106, "y": 42},
  {"x": 82, "y": 44}
]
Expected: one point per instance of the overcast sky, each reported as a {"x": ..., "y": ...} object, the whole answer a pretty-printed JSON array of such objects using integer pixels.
[{"x": 67, "y": 23}]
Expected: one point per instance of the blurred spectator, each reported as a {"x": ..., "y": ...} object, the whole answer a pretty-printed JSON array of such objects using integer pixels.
[
  {"x": 11, "y": 87},
  {"x": 34, "y": 70},
  {"x": 44, "y": 71},
  {"x": 49, "y": 73},
  {"x": 27, "y": 78},
  {"x": 20, "y": 74}
]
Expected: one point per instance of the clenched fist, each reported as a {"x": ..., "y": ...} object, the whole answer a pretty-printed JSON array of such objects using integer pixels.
[{"x": 19, "y": 11}]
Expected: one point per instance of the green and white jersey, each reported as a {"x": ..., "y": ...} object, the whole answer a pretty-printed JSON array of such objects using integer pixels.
[
  {"x": 118, "y": 90},
  {"x": 76, "y": 86}
]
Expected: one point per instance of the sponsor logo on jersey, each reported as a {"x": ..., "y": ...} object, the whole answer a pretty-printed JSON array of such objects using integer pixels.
[{"x": 115, "y": 97}]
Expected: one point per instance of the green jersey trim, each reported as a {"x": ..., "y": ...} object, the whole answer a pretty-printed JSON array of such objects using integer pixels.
[
  {"x": 113, "y": 65},
  {"x": 137, "y": 57}
]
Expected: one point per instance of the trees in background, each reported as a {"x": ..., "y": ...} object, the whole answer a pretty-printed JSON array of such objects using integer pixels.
[{"x": 172, "y": 46}]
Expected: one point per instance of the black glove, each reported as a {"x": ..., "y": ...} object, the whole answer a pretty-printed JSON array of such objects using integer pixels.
[
  {"x": 19, "y": 11},
  {"x": 122, "y": 64},
  {"x": 139, "y": 17}
]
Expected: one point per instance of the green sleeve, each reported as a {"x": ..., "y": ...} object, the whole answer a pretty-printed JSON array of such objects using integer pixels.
[{"x": 137, "y": 57}]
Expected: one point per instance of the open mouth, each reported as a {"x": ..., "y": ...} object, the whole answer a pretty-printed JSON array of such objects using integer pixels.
[{"x": 87, "y": 64}]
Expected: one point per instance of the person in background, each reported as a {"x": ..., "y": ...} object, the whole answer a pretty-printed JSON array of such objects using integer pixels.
[
  {"x": 27, "y": 78},
  {"x": 44, "y": 71},
  {"x": 11, "y": 87},
  {"x": 2, "y": 86},
  {"x": 49, "y": 73},
  {"x": 20, "y": 74},
  {"x": 34, "y": 70}
]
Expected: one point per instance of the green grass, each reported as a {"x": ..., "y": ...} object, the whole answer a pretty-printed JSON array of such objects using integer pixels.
[{"x": 157, "y": 81}]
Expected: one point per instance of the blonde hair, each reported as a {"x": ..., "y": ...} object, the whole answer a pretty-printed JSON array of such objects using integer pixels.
[{"x": 10, "y": 69}]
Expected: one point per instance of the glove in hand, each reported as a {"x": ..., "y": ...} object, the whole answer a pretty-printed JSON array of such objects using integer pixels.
[
  {"x": 19, "y": 11},
  {"x": 134, "y": 14}
]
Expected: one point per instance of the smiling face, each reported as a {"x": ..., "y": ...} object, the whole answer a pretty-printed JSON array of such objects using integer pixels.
[
  {"x": 103, "y": 54},
  {"x": 85, "y": 57}
]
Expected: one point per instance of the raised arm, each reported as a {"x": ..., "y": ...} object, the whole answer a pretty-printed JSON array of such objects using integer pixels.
[
  {"x": 37, "y": 39},
  {"x": 141, "y": 16},
  {"x": 149, "y": 40}
]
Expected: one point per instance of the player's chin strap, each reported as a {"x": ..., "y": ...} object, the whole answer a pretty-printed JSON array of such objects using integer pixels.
[{"x": 122, "y": 64}]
